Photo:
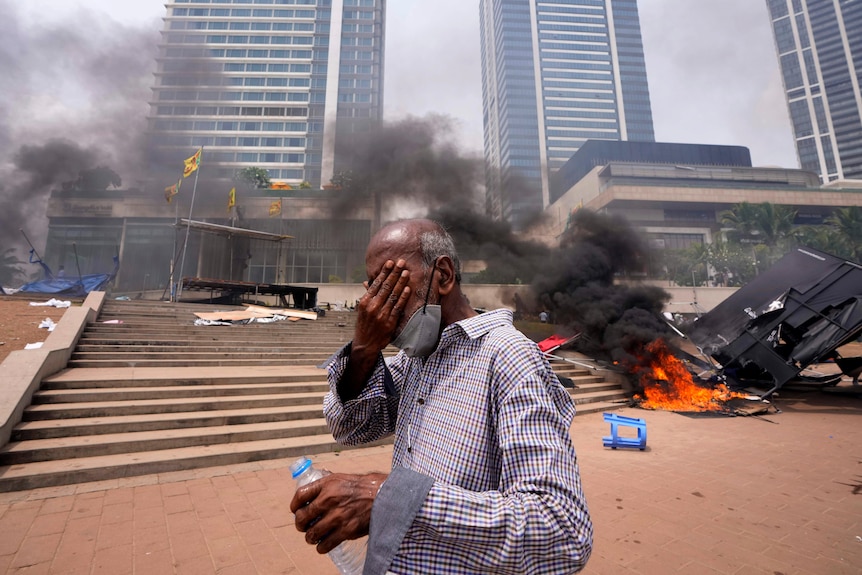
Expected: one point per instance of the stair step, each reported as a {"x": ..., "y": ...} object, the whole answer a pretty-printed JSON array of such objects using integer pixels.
[
  {"x": 129, "y": 442},
  {"x": 172, "y": 392},
  {"x": 199, "y": 347},
  {"x": 585, "y": 380},
  {"x": 593, "y": 396},
  {"x": 185, "y": 376},
  {"x": 235, "y": 362},
  {"x": 99, "y": 468},
  {"x": 596, "y": 406},
  {"x": 54, "y": 428},
  {"x": 307, "y": 356},
  {"x": 109, "y": 408},
  {"x": 121, "y": 385}
]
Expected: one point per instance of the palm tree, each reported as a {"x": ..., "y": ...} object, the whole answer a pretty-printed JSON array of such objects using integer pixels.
[
  {"x": 743, "y": 218},
  {"x": 768, "y": 224},
  {"x": 771, "y": 223},
  {"x": 775, "y": 223},
  {"x": 821, "y": 237},
  {"x": 848, "y": 227}
]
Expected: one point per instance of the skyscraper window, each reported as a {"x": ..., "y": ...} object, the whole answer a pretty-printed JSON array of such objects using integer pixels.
[{"x": 555, "y": 74}]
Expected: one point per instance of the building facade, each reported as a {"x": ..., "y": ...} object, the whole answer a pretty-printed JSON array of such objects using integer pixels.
[
  {"x": 819, "y": 45},
  {"x": 554, "y": 74},
  {"x": 675, "y": 194},
  {"x": 326, "y": 237},
  {"x": 274, "y": 84}
]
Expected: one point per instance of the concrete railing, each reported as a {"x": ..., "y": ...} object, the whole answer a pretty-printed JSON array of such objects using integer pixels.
[{"x": 22, "y": 372}]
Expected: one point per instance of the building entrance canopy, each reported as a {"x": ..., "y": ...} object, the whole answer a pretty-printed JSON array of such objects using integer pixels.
[{"x": 229, "y": 231}]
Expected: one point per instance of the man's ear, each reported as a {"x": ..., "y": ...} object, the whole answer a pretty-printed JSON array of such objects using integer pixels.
[{"x": 446, "y": 275}]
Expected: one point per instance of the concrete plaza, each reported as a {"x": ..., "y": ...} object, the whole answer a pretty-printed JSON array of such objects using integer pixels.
[{"x": 777, "y": 494}]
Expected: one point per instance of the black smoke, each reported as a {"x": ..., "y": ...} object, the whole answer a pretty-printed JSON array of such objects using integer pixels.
[
  {"x": 73, "y": 112},
  {"x": 510, "y": 258},
  {"x": 591, "y": 285},
  {"x": 414, "y": 167},
  {"x": 410, "y": 163}
]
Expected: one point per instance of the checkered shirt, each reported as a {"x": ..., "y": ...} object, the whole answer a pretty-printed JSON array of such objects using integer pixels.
[{"x": 488, "y": 420}]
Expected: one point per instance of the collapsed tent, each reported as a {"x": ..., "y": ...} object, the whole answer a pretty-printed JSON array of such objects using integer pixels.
[
  {"x": 75, "y": 287},
  {"x": 797, "y": 313}
]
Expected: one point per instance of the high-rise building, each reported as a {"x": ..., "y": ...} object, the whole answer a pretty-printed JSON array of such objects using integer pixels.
[
  {"x": 819, "y": 45},
  {"x": 556, "y": 73},
  {"x": 267, "y": 83}
]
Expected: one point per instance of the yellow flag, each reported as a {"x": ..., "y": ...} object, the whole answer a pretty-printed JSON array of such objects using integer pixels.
[
  {"x": 275, "y": 208},
  {"x": 172, "y": 191},
  {"x": 192, "y": 164},
  {"x": 231, "y": 199}
]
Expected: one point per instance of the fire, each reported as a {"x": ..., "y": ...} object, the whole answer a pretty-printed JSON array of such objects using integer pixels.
[{"x": 668, "y": 385}]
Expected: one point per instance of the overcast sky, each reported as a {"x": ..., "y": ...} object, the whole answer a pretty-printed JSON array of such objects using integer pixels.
[{"x": 711, "y": 64}]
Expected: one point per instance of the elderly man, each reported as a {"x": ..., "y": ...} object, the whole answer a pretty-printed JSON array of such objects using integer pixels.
[{"x": 484, "y": 475}]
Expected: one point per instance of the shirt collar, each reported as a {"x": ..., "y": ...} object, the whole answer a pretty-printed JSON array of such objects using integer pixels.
[{"x": 476, "y": 326}]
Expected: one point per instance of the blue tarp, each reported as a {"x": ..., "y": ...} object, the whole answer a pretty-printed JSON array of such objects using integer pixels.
[{"x": 69, "y": 286}]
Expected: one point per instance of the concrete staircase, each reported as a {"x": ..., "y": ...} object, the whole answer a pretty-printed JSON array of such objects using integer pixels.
[{"x": 154, "y": 394}]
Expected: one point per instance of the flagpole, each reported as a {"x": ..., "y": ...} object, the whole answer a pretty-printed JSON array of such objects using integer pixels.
[
  {"x": 280, "y": 266},
  {"x": 189, "y": 225},
  {"x": 174, "y": 252}
]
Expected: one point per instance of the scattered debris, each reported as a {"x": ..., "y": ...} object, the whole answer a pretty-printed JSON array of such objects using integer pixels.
[
  {"x": 36, "y": 345},
  {"x": 113, "y": 321},
  {"x": 253, "y": 314},
  {"x": 48, "y": 324},
  {"x": 53, "y": 303}
]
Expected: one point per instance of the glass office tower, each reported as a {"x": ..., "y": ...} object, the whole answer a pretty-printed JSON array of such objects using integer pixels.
[
  {"x": 819, "y": 45},
  {"x": 556, "y": 73},
  {"x": 267, "y": 83}
]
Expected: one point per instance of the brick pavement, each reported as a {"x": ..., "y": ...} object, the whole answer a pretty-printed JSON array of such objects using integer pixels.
[{"x": 745, "y": 496}]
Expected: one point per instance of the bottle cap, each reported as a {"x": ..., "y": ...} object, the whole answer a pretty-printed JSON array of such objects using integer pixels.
[{"x": 299, "y": 466}]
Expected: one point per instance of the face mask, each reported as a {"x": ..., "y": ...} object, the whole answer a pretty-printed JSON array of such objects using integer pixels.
[{"x": 420, "y": 336}]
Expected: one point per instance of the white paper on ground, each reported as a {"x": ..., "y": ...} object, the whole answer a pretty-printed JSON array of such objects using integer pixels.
[
  {"x": 53, "y": 303},
  {"x": 48, "y": 324},
  {"x": 36, "y": 345}
]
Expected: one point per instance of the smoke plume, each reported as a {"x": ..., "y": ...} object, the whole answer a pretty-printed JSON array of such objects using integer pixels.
[
  {"x": 410, "y": 163},
  {"x": 74, "y": 99},
  {"x": 581, "y": 288}
]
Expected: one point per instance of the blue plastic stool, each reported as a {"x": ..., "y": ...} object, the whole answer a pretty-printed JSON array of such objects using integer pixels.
[{"x": 614, "y": 440}]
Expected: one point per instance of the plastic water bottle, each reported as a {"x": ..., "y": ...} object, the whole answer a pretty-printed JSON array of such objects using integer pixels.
[{"x": 349, "y": 556}]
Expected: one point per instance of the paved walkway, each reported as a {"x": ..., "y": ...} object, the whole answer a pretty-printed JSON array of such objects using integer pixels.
[{"x": 781, "y": 494}]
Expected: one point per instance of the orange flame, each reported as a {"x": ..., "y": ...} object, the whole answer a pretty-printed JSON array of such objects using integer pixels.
[{"x": 669, "y": 386}]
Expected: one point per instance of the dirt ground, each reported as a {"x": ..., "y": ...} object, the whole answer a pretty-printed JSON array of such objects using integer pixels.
[{"x": 19, "y": 321}]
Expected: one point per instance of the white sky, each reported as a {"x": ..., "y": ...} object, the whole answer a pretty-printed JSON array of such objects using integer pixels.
[{"x": 711, "y": 64}]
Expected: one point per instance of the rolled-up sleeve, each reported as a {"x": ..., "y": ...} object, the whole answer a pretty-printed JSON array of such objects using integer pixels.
[{"x": 373, "y": 414}]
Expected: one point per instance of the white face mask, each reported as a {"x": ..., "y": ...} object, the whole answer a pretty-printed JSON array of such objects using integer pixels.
[{"x": 420, "y": 336}]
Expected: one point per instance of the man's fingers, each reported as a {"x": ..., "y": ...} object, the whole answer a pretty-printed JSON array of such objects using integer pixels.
[
  {"x": 386, "y": 284},
  {"x": 396, "y": 294},
  {"x": 304, "y": 495},
  {"x": 401, "y": 304},
  {"x": 375, "y": 286}
]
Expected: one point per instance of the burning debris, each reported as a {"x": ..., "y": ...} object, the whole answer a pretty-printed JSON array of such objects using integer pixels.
[{"x": 668, "y": 385}]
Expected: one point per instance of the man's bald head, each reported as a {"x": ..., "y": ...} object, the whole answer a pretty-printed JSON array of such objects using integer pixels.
[{"x": 420, "y": 238}]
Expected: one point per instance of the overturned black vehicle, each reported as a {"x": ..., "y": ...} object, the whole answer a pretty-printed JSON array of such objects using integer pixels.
[{"x": 797, "y": 313}]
